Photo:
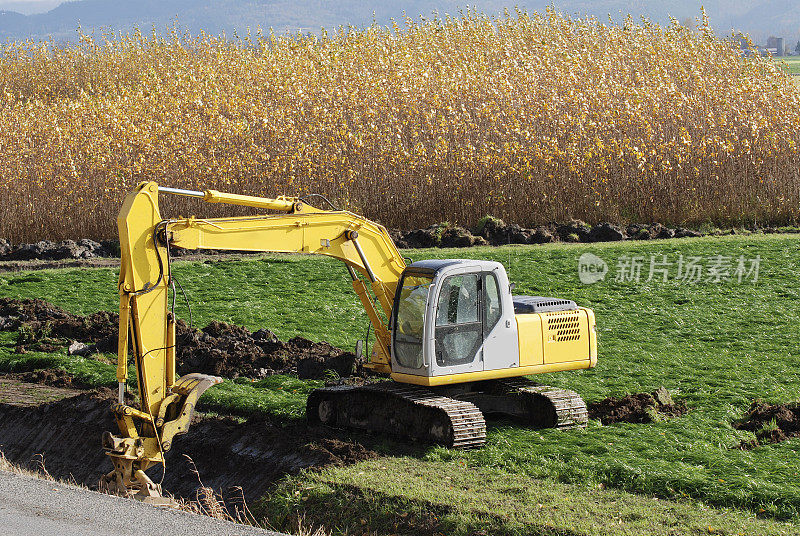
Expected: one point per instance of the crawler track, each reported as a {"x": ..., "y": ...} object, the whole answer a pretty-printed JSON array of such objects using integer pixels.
[
  {"x": 548, "y": 407},
  {"x": 453, "y": 417},
  {"x": 398, "y": 409}
]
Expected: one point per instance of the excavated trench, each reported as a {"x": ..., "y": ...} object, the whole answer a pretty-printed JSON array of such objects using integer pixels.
[{"x": 229, "y": 455}]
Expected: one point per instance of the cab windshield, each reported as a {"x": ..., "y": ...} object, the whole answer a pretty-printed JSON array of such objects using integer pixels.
[{"x": 410, "y": 323}]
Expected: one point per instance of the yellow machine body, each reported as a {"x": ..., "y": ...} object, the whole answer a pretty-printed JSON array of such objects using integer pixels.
[
  {"x": 557, "y": 338},
  {"x": 548, "y": 342}
]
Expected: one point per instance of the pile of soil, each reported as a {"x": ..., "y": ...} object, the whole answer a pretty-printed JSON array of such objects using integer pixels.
[
  {"x": 51, "y": 377},
  {"x": 637, "y": 408},
  {"x": 771, "y": 423},
  {"x": 65, "y": 436},
  {"x": 495, "y": 232},
  {"x": 232, "y": 351},
  {"x": 43, "y": 326},
  {"x": 219, "y": 348},
  {"x": 66, "y": 249}
]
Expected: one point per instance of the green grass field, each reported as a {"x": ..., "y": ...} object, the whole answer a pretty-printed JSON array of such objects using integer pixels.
[
  {"x": 716, "y": 345},
  {"x": 790, "y": 63}
]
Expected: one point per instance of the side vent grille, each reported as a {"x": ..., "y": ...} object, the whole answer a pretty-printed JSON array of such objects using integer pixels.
[
  {"x": 564, "y": 326},
  {"x": 552, "y": 303}
]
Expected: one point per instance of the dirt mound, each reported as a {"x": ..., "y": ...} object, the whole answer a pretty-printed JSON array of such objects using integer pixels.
[
  {"x": 496, "y": 232},
  {"x": 637, "y": 408},
  {"x": 51, "y": 377},
  {"x": 65, "y": 437},
  {"x": 771, "y": 423},
  {"x": 219, "y": 348},
  {"x": 14, "y": 312},
  {"x": 489, "y": 231},
  {"x": 231, "y": 351},
  {"x": 42, "y": 324}
]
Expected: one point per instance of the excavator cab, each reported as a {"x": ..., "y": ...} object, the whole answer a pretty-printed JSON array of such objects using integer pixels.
[
  {"x": 455, "y": 320},
  {"x": 453, "y": 317},
  {"x": 460, "y": 344}
]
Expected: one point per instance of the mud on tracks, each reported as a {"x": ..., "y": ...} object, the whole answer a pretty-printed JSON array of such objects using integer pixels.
[
  {"x": 219, "y": 348},
  {"x": 637, "y": 408},
  {"x": 65, "y": 436}
]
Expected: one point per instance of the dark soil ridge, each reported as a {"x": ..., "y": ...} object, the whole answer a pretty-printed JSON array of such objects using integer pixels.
[
  {"x": 65, "y": 437},
  {"x": 637, "y": 408},
  {"x": 50, "y": 377},
  {"x": 489, "y": 231},
  {"x": 220, "y": 349},
  {"x": 495, "y": 232},
  {"x": 66, "y": 249},
  {"x": 23, "y": 266},
  {"x": 771, "y": 423}
]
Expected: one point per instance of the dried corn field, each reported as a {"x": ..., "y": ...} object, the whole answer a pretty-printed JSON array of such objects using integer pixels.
[{"x": 532, "y": 118}]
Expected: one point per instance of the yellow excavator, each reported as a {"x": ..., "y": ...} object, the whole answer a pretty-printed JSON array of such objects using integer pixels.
[{"x": 454, "y": 341}]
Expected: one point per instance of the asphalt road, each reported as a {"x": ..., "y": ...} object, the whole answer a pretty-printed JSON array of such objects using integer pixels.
[{"x": 36, "y": 507}]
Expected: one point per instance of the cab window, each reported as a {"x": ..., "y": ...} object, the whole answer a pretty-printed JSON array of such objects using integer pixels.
[
  {"x": 492, "y": 305},
  {"x": 410, "y": 323},
  {"x": 458, "y": 322}
]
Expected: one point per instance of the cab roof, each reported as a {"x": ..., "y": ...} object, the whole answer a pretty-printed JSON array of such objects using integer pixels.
[
  {"x": 434, "y": 265},
  {"x": 430, "y": 267}
]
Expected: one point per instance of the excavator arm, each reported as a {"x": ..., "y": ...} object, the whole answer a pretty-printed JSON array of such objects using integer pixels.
[{"x": 147, "y": 325}]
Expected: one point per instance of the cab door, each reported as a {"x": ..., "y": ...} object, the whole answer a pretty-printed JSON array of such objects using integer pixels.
[
  {"x": 458, "y": 333},
  {"x": 500, "y": 337}
]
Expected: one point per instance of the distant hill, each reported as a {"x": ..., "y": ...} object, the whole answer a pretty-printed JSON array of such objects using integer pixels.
[
  {"x": 30, "y": 6},
  {"x": 760, "y": 18}
]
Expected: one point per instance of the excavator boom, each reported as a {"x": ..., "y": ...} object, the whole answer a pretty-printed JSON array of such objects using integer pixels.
[{"x": 147, "y": 326}]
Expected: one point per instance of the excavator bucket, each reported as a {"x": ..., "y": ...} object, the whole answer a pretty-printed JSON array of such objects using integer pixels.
[
  {"x": 148, "y": 438},
  {"x": 190, "y": 387}
]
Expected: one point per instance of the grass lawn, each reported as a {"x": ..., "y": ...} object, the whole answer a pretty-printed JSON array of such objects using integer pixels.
[
  {"x": 790, "y": 63},
  {"x": 716, "y": 345}
]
